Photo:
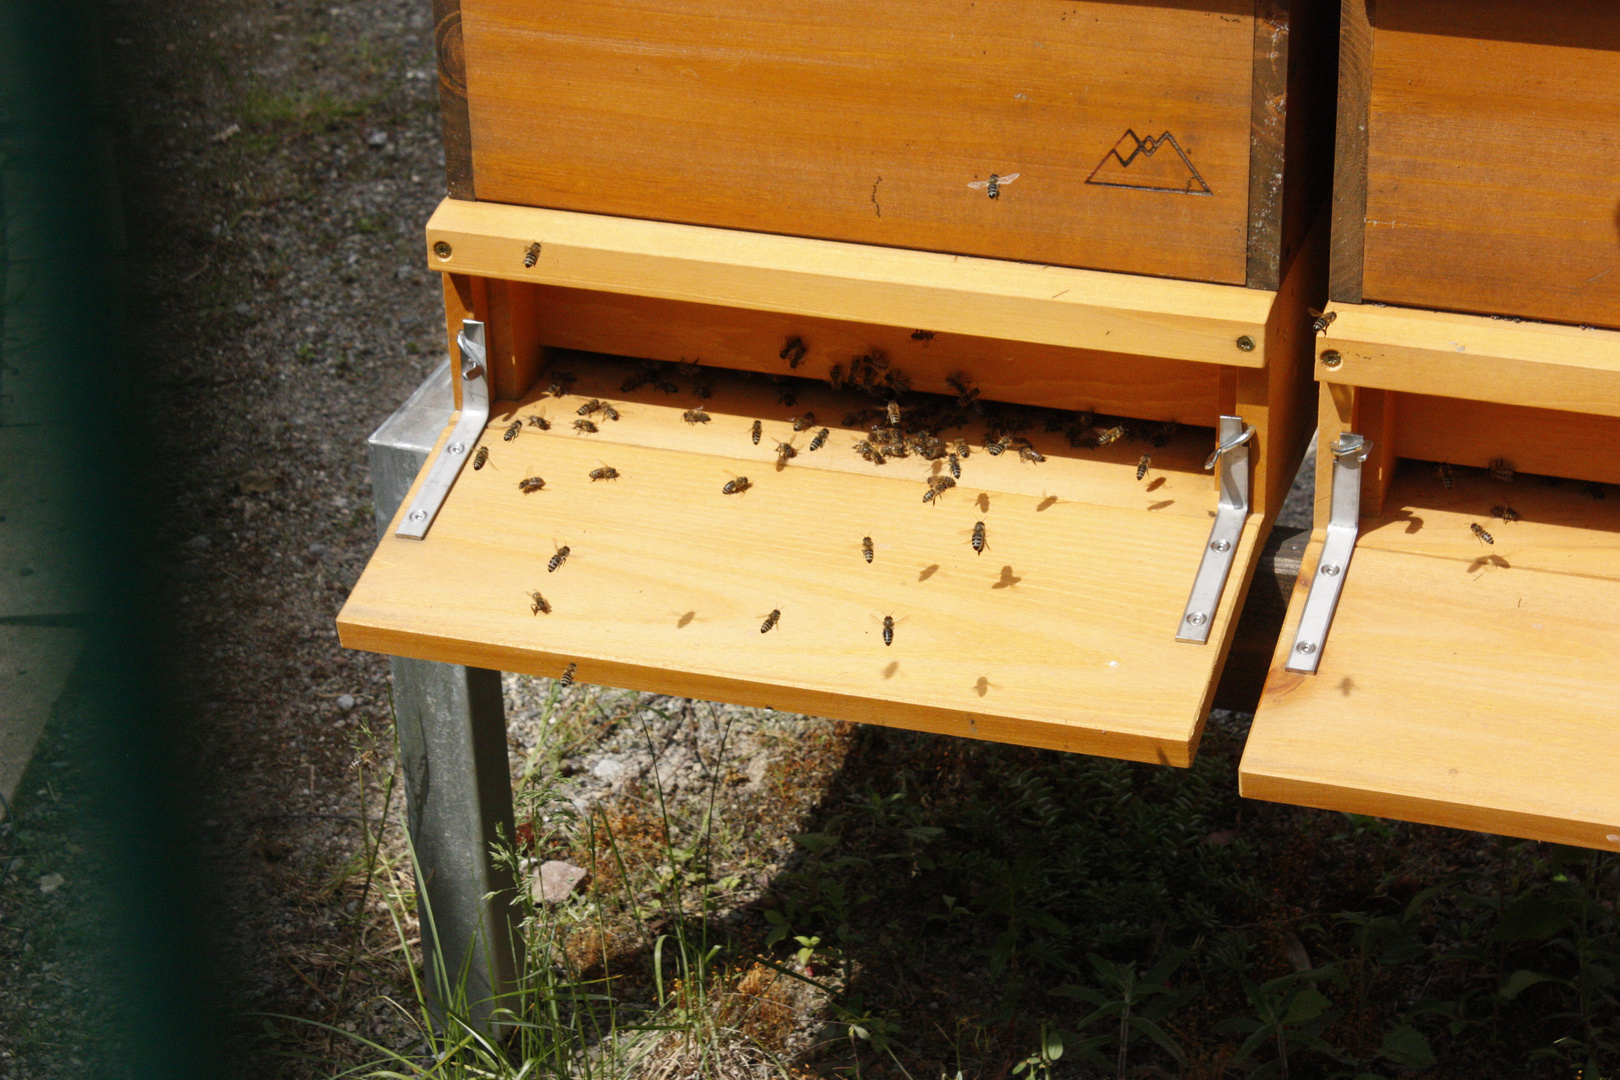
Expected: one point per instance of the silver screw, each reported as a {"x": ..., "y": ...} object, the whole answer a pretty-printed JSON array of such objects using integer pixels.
[
  {"x": 1330, "y": 570},
  {"x": 1197, "y": 618},
  {"x": 1306, "y": 647},
  {"x": 457, "y": 448},
  {"x": 1220, "y": 545},
  {"x": 418, "y": 515},
  {"x": 1245, "y": 343},
  {"x": 1331, "y": 358}
]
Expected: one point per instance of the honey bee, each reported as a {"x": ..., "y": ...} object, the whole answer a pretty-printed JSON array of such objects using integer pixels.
[
  {"x": 785, "y": 452},
  {"x": 531, "y": 485},
  {"x": 531, "y": 256},
  {"x": 835, "y": 377},
  {"x": 736, "y": 487},
  {"x": 965, "y": 393},
  {"x": 480, "y": 458},
  {"x": 634, "y": 382},
  {"x": 992, "y": 187},
  {"x": 923, "y": 336},
  {"x": 960, "y": 447},
  {"x": 770, "y": 620},
  {"x": 786, "y": 396},
  {"x": 512, "y": 430},
  {"x": 1506, "y": 513},
  {"x": 667, "y": 387},
  {"x": 978, "y": 538},
  {"x": 1499, "y": 469},
  {"x": 557, "y": 559},
  {"x": 1031, "y": 455},
  {"x": 591, "y": 406},
  {"x": 541, "y": 605},
  {"x": 757, "y": 430},
  {"x": 540, "y": 422},
  {"x": 1113, "y": 434},
  {"x": 1142, "y": 465},
  {"x": 568, "y": 675},
  {"x": 609, "y": 412},
  {"x": 801, "y": 423},
  {"x": 888, "y": 630},
  {"x": 893, "y": 410},
  {"x": 996, "y": 447},
  {"x": 1480, "y": 532},
  {"x": 954, "y": 463},
  {"x": 585, "y": 426},
  {"x": 937, "y": 485},
  {"x": 695, "y": 416},
  {"x": 793, "y": 352},
  {"x": 604, "y": 473},
  {"x": 1443, "y": 471},
  {"x": 821, "y": 439},
  {"x": 560, "y": 383},
  {"x": 869, "y": 452},
  {"x": 866, "y": 548},
  {"x": 1324, "y": 319}
]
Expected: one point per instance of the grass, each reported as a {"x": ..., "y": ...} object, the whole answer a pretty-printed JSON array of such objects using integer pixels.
[{"x": 958, "y": 909}]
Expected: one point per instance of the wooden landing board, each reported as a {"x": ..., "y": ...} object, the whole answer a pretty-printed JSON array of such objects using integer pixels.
[
  {"x": 1128, "y": 125},
  {"x": 1462, "y": 684},
  {"x": 1540, "y": 365},
  {"x": 1061, "y": 634}
]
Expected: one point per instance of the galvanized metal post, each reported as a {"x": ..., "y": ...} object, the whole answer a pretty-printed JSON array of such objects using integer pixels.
[{"x": 451, "y": 727}]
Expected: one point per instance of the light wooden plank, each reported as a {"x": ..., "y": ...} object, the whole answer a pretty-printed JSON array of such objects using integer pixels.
[
  {"x": 1543, "y": 365},
  {"x": 1061, "y": 634},
  {"x": 1053, "y": 305},
  {"x": 1462, "y": 684},
  {"x": 1475, "y": 433},
  {"x": 867, "y": 122},
  {"x": 1350, "y": 150}
]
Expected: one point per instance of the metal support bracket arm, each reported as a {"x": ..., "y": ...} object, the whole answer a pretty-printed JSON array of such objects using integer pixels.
[
  {"x": 442, "y": 473},
  {"x": 1232, "y": 455},
  {"x": 1344, "y": 523}
]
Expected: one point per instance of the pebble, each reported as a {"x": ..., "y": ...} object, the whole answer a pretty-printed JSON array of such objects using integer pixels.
[
  {"x": 318, "y": 549},
  {"x": 49, "y": 883},
  {"x": 556, "y": 880},
  {"x": 199, "y": 543},
  {"x": 345, "y": 702},
  {"x": 608, "y": 769}
]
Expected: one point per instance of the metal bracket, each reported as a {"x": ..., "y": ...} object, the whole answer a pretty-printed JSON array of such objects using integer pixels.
[
  {"x": 1232, "y": 455},
  {"x": 1344, "y": 523},
  {"x": 444, "y": 468}
]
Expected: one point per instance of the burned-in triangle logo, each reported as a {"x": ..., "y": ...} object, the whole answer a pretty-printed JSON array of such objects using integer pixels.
[{"x": 1149, "y": 165}]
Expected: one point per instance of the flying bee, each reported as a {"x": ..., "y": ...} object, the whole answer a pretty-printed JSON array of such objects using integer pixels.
[
  {"x": 604, "y": 473},
  {"x": 591, "y": 406},
  {"x": 736, "y": 487},
  {"x": 541, "y": 605},
  {"x": 531, "y": 485},
  {"x": 531, "y": 256},
  {"x": 1142, "y": 465},
  {"x": 560, "y": 383},
  {"x": 821, "y": 439},
  {"x": 756, "y": 431},
  {"x": 1506, "y": 513},
  {"x": 695, "y": 416},
  {"x": 1499, "y": 469},
  {"x": 978, "y": 538},
  {"x": 540, "y": 422},
  {"x": 888, "y": 630},
  {"x": 1113, "y": 434},
  {"x": 785, "y": 452},
  {"x": 924, "y": 336},
  {"x": 770, "y": 620},
  {"x": 557, "y": 559},
  {"x": 803, "y": 423},
  {"x": 1480, "y": 532},
  {"x": 997, "y": 446},
  {"x": 480, "y": 458},
  {"x": 866, "y": 548},
  {"x": 937, "y": 486},
  {"x": 793, "y": 352},
  {"x": 512, "y": 430},
  {"x": 1443, "y": 471},
  {"x": 585, "y": 427},
  {"x": 954, "y": 464},
  {"x": 1031, "y": 455},
  {"x": 893, "y": 411},
  {"x": 1324, "y": 319},
  {"x": 992, "y": 187},
  {"x": 568, "y": 675}
]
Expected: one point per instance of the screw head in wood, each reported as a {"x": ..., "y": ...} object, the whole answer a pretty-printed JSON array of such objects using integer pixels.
[
  {"x": 1331, "y": 358},
  {"x": 441, "y": 248},
  {"x": 1245, "y": 343}
]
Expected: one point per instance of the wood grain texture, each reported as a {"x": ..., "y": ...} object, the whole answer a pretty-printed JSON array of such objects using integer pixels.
[
  {"x": 1350, "y": 150},
  {"x": 1060, "y": 635},
  {"x": 1051, "y": 305},
  {"x": 463, "y": 297},
  {"x": 1491, "y": 184},
  {"x": 1265, "y": 606},
  {"x": 1461, "y": 685},
  {"x": 867, "y": 123},
  {"x": 1545, "y": 365},
  {"x": 1473, "y": 433},
  {"x": 452, "y": 65},
  {"x": 1268, "y": 127}
]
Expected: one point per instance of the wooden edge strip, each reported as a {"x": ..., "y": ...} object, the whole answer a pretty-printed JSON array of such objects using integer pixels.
[
  {"x": 1350, "y": 152},
  {"x": 1268, "y": 115},
  {"x": 453, "y": 99},
  {"x": 1053, "y": 305},
  {"x": 1264, "y": 609}
]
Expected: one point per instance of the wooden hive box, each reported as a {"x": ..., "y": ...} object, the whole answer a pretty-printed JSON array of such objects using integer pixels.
[
  {"x": 1462, "y": 682},
  {"x": 646, "y": 215}
]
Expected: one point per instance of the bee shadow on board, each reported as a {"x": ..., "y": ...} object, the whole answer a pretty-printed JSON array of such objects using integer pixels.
[
  {"x": 890, "y": 668},
  {"x": 1155, "y": 484},
  {"x": 982, "y": 687},
  {"x": 1046, "y": 503},
  {"x": 1489, "y": 560},
  {"x": 1008, "y": 579},
  {"x": 927, "y": 572},
  {"x": 685, "y": 620}
]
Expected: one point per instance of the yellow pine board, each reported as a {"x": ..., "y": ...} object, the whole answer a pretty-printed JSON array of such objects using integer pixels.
[
  {"x": 1544, "y": 365},
  {"x": 1462, "y": 684},
  {"x": 992, "y": 298},
  {"x": 1061, "y": 634}
]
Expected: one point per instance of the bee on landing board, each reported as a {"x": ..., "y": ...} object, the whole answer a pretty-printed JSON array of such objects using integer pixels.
[
  {"x": 954, "y": 464},
  {"x": 1506, "y": 513},
  {"x": 568, "y": 675},
  {"x": 1031, "y": 455},
  {"x": 540, "y": 605},
  {"x": 512, "y": 430},
  {"x": 978, "y": 538},
  {"x": 736, "y": 487},
  {"x": 480, "y": 458},
  {"x": 770, "y": 620},
  {"x": 540, "y": 422},
  {"x": 869, "y": 452},
  {"x": 585, "y": 427},
  {"x": 888, "y": 630},
  {"x": 560, "y": 383},
  {"x": 997, "y": 446},
  {"x": 992, "y": 187},
  {"x": 1480, "y": 532},
  {"x": 606, "y": 472},
  {"x": 1142, "y": 465},
  {"x": 805, "y": 422},
  {"x": 695, "y": 416},
  {"x": 793, "y": 352},
  {"x": 531, "y": 485},
  {"x": 755, "y": 432},
  {"x": 785, "y": 452},
  {"x": 591, "y": 406},
  {"x": 866, "y": 548},
  {"x": 937, "y": 486},
  {"x": 820, "y": 440},
  {"x": 557, "y": 559}
]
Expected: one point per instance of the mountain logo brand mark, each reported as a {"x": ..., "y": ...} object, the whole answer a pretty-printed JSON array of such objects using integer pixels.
[{"x": 1135, "y": 162}]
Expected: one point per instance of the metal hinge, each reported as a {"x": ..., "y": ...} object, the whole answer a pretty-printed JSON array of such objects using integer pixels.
[
  {"x": 1232, "y": 455},
  {"x": 442, "y": 472},
  {"x": 1344, "y": 523}
]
